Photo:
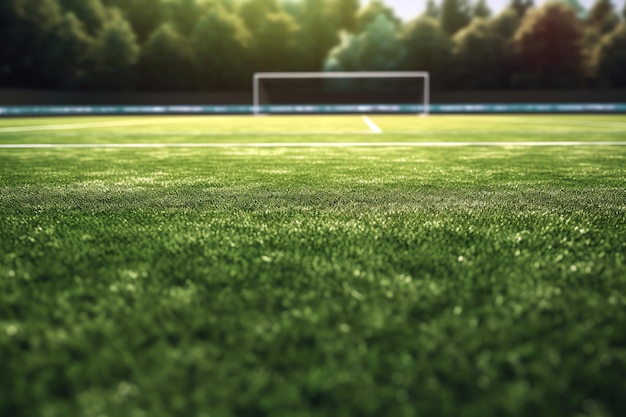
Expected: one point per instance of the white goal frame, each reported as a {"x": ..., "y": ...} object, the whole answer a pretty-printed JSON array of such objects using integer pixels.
[{"x": 256, "y": 106}]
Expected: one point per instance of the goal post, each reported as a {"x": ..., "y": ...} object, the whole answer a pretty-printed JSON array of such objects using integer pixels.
[{"x": 260, "y": 76}]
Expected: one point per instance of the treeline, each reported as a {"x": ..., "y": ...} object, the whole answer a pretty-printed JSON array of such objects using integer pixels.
[{"x": 211, "y": 45}]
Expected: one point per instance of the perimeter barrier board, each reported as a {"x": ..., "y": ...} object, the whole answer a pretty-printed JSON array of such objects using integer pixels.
[{"x": 537, "y": 108}]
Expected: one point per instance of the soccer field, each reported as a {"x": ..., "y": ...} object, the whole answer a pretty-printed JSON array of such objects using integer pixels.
[{"x": 308, "y": 266}]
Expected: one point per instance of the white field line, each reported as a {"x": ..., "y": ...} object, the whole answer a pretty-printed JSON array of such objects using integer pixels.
[
  {"x": 301, "y": 145},
  {"x": 71, "y": 126},
  {"x": 374, "y": 128}
]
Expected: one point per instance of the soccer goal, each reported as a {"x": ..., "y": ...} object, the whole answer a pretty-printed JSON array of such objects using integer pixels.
[{"x": 410, "y": 87}]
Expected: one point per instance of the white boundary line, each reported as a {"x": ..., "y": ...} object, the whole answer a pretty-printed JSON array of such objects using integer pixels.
[
  {"x": 71, "y": 126},
  {"x": 374, "y": 128},
  {"x": 300, "y": 145}
]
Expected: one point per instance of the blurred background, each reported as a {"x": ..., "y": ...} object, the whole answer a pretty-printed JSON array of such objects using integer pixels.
[{"x": 214, "y": 46}]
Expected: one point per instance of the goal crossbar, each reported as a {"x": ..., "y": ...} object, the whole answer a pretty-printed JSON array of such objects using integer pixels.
[{"x": 256, "y": 106}]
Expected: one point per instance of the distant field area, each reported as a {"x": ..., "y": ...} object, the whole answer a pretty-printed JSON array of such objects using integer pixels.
[
  {"x": 341, "y": 128},
  {"x": 313, "y": 280}
]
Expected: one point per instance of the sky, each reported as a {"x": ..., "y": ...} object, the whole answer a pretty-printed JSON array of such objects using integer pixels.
[{"x": 408, "y": 9}]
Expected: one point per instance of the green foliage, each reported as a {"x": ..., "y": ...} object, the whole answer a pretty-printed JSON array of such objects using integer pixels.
[
  {"x": 548, "y": 48},
  {"x": 167, "y": 61},
  {"x": 68, "y": 54},
  {"x": 575, "y": 5},
  {"x": 455, "y": 15},
  {"x": 478, "y": 56},
  {"x": 345, "y": 57},
  {"x": 481, "y": 9},
  {"x": 428, "y": 48},
  {"x": 506, "y": 23},
  {"x": 184, "y": 14},
  {"x": 475, "y": 281},
  {"x": 503, "y": 27},
  {"x": 42, "y": 13},
  {"x": 521, "y": 6},
  {"x": 432, "y": 10},
  {"x": 344, "y": 12},
  {"x": 221, "y": 42},
  {"x": 116, "y": 55},
  {"x": 599, "y": 11},
  {"x": 274, "y": 43},
  {"x": 254, "y": 12},
  {"x": 602, "y": 20},
  {"x": 369, "y": 13},
  {"x": 276, "y": 35},
  {"x": 609, "y": 59},
  {"x": 23, "y": 29},
  {"x": 318, "y": 35},
  {"x": 92, "y": 13},
  {"x": 602, "y": 17},
  {"x": 376, "y": 48},
  {"x": 145, "y": 16},
  {"x": 381, "y": 51}
]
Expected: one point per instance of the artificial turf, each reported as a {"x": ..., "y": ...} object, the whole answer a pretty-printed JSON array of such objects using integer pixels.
[{"x": 474, "y": 281}]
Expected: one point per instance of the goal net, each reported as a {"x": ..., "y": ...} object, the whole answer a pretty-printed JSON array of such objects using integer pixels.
[{"x": 341, "y": 92}]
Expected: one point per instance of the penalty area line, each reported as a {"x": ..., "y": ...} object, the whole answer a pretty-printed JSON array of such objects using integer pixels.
[
  {"x": 373, "y": 127},
  {"x": 301, "y": 145}
]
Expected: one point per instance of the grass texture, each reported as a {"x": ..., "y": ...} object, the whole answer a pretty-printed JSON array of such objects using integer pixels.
[{"x": 473, "y": 281}]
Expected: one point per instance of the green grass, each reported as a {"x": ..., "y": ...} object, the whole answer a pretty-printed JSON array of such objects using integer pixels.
[
  {"x": 474, "y": 281},
  {"x": 228, "y": 129}
]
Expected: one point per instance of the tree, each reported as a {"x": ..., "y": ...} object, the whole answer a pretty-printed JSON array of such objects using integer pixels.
[
  {"x": 478, "y": 56},
  {"x": 521, "y": 6},
  {"x": 92, "y": 13},
  {"x": 506, "y": 23},
  {"x": 274, "y": 43},
  {"x": 609, "y": 58},
  {"x": 345, "y": 12},
  {"x": 117, "y": 52},
  {"x": 455, "y": 14},
  {"x": 144, "y": 15},
  {"x": 67, "y": 54},
  {"x": 371, "y": 12},
  {"x": 185, "y": 14},
  {"x": 318, "y": 35},
  {"x": 381, "y": 49},
  {"x": 547, "y": 48},
  {"x": 166, "y": 62},
  {"x": 503, "y": 27},
  {"x": 346, "y": 56},
  {"x": 428, "y": 48},
  {"x": 432, "y": 10},
  {"x": 576, "y": 6},
  {"x": 601, "y": 20},
  {"x": 253, "y": 12},
  {"x": 481, "y": 9},
  {"x": 23, "y": 28},
  {"x": 602, "y": 17},
  {"x": 220, "y": 42},
  {"x": 44, "y": 13},
  {"x": 376, "y": 48}
]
